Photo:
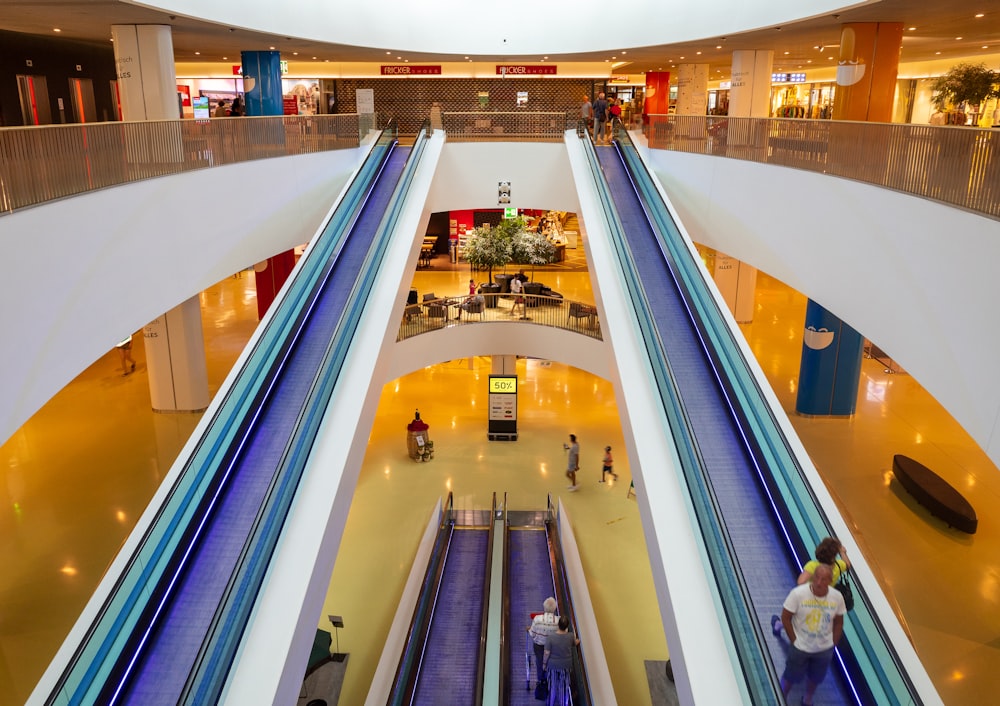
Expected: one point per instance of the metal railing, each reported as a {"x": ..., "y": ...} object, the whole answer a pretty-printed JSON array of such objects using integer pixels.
[
  {"x": 959, "y": 166},
  {"x": 518, "y": 126},
  {"x": 44, "y": 163},
  {"x": 438, "y": 314}
]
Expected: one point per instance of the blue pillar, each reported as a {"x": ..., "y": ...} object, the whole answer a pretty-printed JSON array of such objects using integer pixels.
[
  {"x": 831, "y": 365},
  {"x": 262, "y": 82}
]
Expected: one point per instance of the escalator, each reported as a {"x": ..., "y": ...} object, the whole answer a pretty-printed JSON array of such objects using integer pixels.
[
  {"x": 756, "y": 513},
  {"x": 442, "y": 661},
  {"x": 170, "y": 628}
]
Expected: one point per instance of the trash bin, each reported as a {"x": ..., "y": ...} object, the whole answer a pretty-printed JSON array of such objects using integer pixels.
[{"x": 490, "y": 292}]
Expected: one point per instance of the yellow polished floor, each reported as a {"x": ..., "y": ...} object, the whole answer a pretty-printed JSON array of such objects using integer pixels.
[{"x": 76, "y": 476}]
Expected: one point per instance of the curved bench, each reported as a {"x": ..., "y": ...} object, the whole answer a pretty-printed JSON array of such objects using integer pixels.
[{"x": 933, "y": 492}]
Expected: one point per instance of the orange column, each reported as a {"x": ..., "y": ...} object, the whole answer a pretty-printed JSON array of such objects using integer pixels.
[
  {"x": 657, "y": 96},
  {"x": 866, "y": 73}
]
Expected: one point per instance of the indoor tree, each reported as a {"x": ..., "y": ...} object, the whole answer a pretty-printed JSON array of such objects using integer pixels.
[
  {"x": 970, "y": 84},
  {"x": 531, "y": 248},
  {"x": 488, "y": 247}
]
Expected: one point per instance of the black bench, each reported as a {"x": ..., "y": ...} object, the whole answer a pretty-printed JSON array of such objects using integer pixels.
[{"x": 933, "y": 492}]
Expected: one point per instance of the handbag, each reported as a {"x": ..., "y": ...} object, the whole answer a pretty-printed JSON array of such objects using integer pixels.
[
  {"x": 542, "y": 690},
  {"x": 844, "y": 586}
]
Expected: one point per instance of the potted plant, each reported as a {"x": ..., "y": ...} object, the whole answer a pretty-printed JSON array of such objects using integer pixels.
[
  {"x": 531, "y": 248},
  {"x": 965, "y": 84},
  {"x": 488, "y": 247}
]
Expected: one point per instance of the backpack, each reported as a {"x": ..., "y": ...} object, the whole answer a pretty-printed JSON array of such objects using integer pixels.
[{"x": 616, "y": 110}]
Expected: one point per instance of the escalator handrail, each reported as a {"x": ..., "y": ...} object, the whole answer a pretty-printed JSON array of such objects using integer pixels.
[
  {"x": 484, "y": 618},
  {"x": 806, "y": 521},
  {"x": 97, "y": 652}
]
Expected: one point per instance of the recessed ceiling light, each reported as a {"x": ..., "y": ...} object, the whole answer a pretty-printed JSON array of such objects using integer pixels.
[
  {"x": 986, "y": 46},
  {"x": 398, "y": 58},
  {"x": 389, "y": 52},
  {"x": 698, "y": 53},
  {"x": 787, "y": 53},
  {"x": 682, "y": 58},
  {"x": 937, "y": 53},
  {"x": 56, "y": 29},
  {"x": 958, "y": 39},
  {"x": 614, "y": 57},
  {"x": 271, "y": 48},
  {"x": 225, "y": 58},
  {"x": 980, "y": 14},
  {"x": 468, "y": 57},
  {"x": 197, "y": 53},
  {"x": 718, "y": 46},
  {"x": 314, "y": 58},
  {"x": 295, "y": 53},
  {"x": 911, "y": 28}
]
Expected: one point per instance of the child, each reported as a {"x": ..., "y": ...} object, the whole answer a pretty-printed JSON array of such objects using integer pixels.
[{"x": 609, "y": 464}]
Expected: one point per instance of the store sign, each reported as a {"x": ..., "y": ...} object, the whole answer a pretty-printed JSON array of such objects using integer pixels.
[
  {"x": 509, "y": 213},
  {"x": 524, "y": 70},
  {"x": 788, "y": 78},
  {"x": 238, "y": 70},
  {"x": 407, "y": 70}
]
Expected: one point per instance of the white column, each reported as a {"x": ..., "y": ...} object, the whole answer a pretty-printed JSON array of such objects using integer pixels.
[
  {"x": 503, "y": 365},
  {"x": 175, "y": 356},
  {"x": 750, "y": 90},
  {"x": 147, "y": 81},
  {"x": 147, "y": 84},
  {"x": 736, "y": 281}
]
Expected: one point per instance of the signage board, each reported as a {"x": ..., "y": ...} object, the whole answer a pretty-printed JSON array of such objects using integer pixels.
[
  {"x": 201, "y": 109},
  {"x": 503, "y": 385},
  {"x": 410, "y": 70},
  {"x": 525, "y": 70},
  {"x": 509, "y": 213},
  {"x": 502, "y": 408}
]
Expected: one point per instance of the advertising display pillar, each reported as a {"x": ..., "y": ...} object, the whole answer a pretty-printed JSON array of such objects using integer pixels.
[
  {"x": 736, "y": 281},
  {"x": 656, "y": 100},
  {"x": 262, "y": 82},
  {"x": 502, "y": 408},
  {"x": 692, "y": 89},
  {"x": 269, "y": 277},
  {"x": 175, "y": 356},
  {"x": 866, "y": 71},
  {"x": 147, "y": 81},
  {"x": 147, "y": 86},
  {"x": 750, "y": 88},
  {"x": 830, "y": 367}
]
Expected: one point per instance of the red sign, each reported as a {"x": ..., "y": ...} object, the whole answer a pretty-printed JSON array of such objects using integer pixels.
[
  {"x": 237, "y": 69},
  {"x": 185, "y": 92},
  {"x": 524, "y": 70},
  {"x": 407, "y": 70},
  {"x": 290, "y": 106}
]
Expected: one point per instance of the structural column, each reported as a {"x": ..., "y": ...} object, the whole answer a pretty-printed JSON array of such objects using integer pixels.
[
  {"x": 750, "y": 88},
  {"x": 737, "y": 282},
  {"x": 147, "y": 84},
  {"x": 832, "y": 351},
  {"x": 263, "y": 96}
]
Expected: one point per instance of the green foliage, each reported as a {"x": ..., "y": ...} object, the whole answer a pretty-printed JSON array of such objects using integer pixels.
[
  {"x": 531, "y": 248},
  {"x": 488, "y": 247},
  {"x": 965, "y": 83}
]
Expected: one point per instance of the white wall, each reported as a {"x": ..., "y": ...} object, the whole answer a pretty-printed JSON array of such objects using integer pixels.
[
  {"x": 916, "y": 277},
  {"x": 515, "y": 27},
  {"x": 84, "y": 271}
]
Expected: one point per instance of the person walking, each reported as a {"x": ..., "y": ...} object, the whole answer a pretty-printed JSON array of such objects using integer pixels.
[
  {"x": 608, "y": 465},
  {"x": 517, "y": 289},
  {"x": 572, "y": 461},
  {"x": 542, "y": 625},
  {"x": 558, "y": 662},
  {"x": 813, "y": 619},
  {"x": 586, "y": 118},
  {"x": 125, "y": 355}
]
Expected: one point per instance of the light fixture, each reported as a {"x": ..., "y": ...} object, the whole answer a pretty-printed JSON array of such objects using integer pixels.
[
  {"x": 979, "y": 14},
  {"x": 197, "y": 53},
  {"x": 503, "y": 193},
  {"x": 56, "y": 29}
]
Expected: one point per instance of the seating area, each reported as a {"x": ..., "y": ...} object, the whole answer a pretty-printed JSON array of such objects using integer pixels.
[
  {"x": 578, "y": 311},
  {"x": 935, "y": 493}
]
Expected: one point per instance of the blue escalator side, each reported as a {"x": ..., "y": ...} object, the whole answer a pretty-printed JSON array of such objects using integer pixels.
[
  {"x": 449, "y": 664},
  {"x": 762, "y": 559},
  {"x": 187, "y": 605}
]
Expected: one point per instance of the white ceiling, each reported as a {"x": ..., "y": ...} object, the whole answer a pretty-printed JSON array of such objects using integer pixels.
[{"x": 944, "y": 32}]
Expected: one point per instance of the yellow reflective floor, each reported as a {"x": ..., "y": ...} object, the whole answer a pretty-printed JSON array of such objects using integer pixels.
[{"x": 77, "y": 475}]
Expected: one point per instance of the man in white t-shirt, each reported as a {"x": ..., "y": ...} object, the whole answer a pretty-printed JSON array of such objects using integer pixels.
[{"x": 813, "y": 618}]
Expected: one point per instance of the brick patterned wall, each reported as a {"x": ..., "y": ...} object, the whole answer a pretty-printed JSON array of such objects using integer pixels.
[{"x": 409, "y": 100}]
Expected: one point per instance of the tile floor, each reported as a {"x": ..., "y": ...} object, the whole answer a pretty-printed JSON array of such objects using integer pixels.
[{"x": 77, "y": 475}]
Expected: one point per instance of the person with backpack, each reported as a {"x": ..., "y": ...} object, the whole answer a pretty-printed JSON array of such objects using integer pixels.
[
  {"x": 600, "y": 117},
  {"x": 614, "y": 113}
]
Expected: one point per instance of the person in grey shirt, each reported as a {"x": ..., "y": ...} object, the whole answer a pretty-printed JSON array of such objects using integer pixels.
[
  {"x": 573, "y": 461},
  {"x": 558, "y": 661}
]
